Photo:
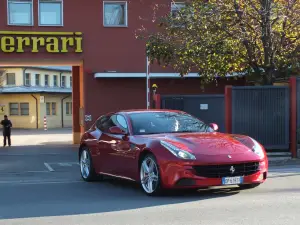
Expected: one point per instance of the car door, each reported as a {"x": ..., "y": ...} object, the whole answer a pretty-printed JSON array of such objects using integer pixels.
[
  {"x": 102, "y": 145},
  {"x": 112, "y": 147},
  {"x": 126, "y": 149}
]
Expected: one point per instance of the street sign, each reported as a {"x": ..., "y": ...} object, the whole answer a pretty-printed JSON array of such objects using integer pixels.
[
  {"x": 2, "y": 109},
  {"x": 42, "y": 99}
]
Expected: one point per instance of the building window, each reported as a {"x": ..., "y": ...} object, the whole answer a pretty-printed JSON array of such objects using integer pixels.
[
  {"x": 69, "y": 108},
  {"x": 115, "y": 14},
  {"x": 70, "y": 81},
  {"x": 13, "y": 109},
  {"x": 37, "y": 80},
  {"x": 176, "y": 7},
  {"x": 46, "y": 80},
  {"x": 27, "y": 79},
  {"x": 24, "y": 109},
  {"x": 51, "y": 108},
  {"x": 20, "y": 12},
  {"x": 55, "y": 80},
  {"x": 50, "y": 12},
  {"x": 63, "y": 81},
  {"x": 10, "y": 79},
  {"x": 48, "y": 108}
]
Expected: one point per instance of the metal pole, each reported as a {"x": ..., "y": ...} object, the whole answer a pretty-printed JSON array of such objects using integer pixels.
[{"x": 147, "y": 84}]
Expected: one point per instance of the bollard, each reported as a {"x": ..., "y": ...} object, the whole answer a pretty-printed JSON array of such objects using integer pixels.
[{"x": 45, "y": 123}]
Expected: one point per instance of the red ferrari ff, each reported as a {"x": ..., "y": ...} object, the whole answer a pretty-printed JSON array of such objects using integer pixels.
[{"x": 167, "y": 149}]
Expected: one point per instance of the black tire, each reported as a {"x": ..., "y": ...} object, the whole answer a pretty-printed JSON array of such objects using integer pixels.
[
  {"x": 158, "y": 190},
  {"x": 249, "y": 186},
  {"x": 92, "y": 176}
]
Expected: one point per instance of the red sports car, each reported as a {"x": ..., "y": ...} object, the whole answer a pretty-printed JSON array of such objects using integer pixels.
[{"x": 167, "y": 149}]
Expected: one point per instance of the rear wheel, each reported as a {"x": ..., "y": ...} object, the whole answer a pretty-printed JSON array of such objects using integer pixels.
[
  {"x": 87, "y": 170},
  {"x": 249, "y": 186},
  {"x": 150, "y": 180}
]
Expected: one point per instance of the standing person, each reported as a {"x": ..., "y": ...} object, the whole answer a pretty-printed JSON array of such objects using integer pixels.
[{"x": 6, "y": 123}]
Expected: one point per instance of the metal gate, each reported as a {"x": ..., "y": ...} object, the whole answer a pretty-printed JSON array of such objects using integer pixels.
[
  {"x": 298, "y": 112},
  {"x": 208, "y": 108},
  {"x": 262, "y": 112}
]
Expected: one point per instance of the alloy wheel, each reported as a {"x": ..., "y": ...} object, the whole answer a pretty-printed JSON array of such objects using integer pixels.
[
  {"x": 149, "y": 175},
  {"x": 85, "y": 164}
]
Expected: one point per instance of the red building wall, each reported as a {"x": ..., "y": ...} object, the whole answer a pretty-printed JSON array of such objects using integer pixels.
[
  {"x": 105, "y": 48},
  {"x": 125, "y": 93}
]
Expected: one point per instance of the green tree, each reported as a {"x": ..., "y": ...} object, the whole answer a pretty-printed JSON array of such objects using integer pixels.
[{"x": 260, "y": 38}]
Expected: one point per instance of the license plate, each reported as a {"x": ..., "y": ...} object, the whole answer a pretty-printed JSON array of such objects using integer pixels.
[{"x": 232, "y": 180}]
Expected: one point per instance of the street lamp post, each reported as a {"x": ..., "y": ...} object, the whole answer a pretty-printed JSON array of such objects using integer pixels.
[{"x": 147, "y": 82}]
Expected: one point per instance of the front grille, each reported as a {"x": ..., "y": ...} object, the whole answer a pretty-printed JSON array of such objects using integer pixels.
[
  {"x": 219, "y": 171},
  {"x": 186, "y": 182}
]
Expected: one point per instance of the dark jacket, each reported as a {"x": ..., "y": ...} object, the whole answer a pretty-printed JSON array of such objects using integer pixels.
[{"x": 6, "y": 127}]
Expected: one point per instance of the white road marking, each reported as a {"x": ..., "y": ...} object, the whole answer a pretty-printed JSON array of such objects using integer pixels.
[
  {"x": 33, "y": 154},
  {"x": 49, "y": 167},
  {"x": 21, "y": 172},
  {"x": 65, "y": 164},
  {"x": 40, "y": 182}
]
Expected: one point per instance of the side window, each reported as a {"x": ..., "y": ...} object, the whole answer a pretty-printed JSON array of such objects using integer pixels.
[
  {"x": 122, "y": 122},
  {"x": 106, "y": 122},
  {"x": 102, "y": 123}
]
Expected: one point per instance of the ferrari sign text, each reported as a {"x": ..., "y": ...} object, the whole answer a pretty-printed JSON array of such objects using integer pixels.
[{"x": 51, "y": 42}]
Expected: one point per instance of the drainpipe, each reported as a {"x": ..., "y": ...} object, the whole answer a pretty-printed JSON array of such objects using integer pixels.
[
  {"x": 62, "y": 110},
  {"x": 36, "y": 112}
]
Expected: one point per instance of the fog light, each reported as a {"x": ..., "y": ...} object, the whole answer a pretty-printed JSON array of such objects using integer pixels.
[{"x": 261, "y": 176}]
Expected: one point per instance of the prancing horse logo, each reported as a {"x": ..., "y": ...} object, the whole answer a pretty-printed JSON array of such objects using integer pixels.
[{"x": 232, "y": 170}]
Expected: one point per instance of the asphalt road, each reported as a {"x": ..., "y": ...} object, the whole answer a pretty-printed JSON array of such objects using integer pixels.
[{"x": 41, "y": 185}]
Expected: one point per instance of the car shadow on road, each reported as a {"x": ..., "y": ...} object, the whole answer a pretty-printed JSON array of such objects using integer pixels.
[
  {"x": 170, "y": 195},
  {"x": 110, "y": 195}
]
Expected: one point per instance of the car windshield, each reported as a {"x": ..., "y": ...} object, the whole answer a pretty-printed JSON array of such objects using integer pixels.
[{"x": 166, "y": 122}]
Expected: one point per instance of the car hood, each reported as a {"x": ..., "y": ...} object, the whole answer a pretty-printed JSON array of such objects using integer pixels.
[{"x": 211, "y": 144}]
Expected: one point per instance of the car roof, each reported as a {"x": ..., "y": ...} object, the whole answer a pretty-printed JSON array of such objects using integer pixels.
[{"x": 130, "y": 111}]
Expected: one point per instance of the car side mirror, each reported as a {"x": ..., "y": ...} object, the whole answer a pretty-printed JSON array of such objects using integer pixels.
[
  {"x": 116, "y": 130},
  {"x": 214, "y": 126}
]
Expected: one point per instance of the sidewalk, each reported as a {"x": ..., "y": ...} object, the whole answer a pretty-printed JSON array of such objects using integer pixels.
[
  {"x": 18, "y": 131},
  {"x": 52, "y": 137}
]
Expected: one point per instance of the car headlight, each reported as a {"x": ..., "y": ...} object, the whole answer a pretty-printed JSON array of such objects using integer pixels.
[
  {"x": 177, "y": 151},
  {"x": 257, "y": 148}
]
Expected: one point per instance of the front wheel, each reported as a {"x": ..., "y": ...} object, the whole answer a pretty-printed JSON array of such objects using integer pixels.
[
  {"x": 150, "y": 179},
  {"x": 87, "y": 170}
]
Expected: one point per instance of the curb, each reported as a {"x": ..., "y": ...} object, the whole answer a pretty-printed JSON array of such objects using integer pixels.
[{"x": 286, "y": 162}]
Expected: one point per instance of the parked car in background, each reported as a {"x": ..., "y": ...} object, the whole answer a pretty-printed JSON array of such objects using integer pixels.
[{"x": 169, "y": 149}]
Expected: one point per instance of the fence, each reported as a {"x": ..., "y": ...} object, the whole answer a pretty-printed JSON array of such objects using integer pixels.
[
  {"x": 209, "y": 108},
  {"x": 262, "y": 112},
  {"x": 298, "y": 110},
  {"x": 269, "y": 114}
]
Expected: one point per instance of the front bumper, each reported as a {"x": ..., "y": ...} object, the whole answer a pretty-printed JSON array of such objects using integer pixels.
[{"x": 177, "y": 175}]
